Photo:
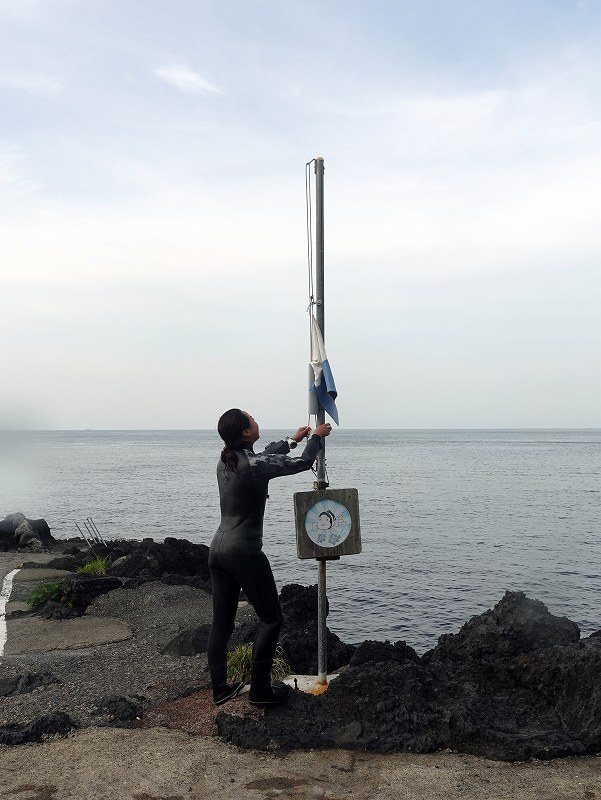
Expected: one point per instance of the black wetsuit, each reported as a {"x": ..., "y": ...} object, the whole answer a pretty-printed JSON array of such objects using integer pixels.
[{"x": 236, "y": 558}]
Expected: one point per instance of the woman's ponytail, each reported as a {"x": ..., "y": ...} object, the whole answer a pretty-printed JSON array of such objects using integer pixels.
[
  {"x": 229, "y": 458},
  {"x": 230, "y": 427}
]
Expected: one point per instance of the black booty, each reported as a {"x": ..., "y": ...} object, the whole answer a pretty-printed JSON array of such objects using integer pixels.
[
  {"x": 223, "y": 691},
  {"x": 262, "y": 691}
]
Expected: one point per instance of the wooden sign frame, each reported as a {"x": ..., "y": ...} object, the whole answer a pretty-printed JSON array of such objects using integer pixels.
[{"x": 327, "y": 523}]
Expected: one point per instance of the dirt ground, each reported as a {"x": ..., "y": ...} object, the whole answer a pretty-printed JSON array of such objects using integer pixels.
[{"x": 161, "y": 764}]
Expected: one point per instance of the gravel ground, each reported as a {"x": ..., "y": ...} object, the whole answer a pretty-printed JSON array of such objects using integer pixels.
[{"x": 156, "y": 612}]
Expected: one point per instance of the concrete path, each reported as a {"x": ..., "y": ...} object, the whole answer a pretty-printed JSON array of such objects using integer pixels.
[
  {"x": 37, "y": 635},
  {"x": 10, "y": 564},
  {"x": 10, "y": 561},
  {"x": 39, "y": 574}
]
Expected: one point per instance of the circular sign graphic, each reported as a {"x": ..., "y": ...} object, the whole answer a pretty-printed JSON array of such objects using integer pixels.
[{"x": 328, "y": 523}]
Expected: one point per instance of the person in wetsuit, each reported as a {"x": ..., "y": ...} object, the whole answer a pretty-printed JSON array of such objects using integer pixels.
[{"x": 236, "y": 557}]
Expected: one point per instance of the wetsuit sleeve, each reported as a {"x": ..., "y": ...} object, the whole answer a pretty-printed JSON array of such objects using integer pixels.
[
  {"x": 273, "y": 465},
  {"x": 278, "y": 447}
]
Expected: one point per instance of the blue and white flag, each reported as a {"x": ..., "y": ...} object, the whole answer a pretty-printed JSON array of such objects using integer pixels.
[{"x": 322, "y": 393}]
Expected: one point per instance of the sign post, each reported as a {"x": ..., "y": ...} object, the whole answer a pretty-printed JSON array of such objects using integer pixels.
[
  {"x": 320, "y": 483},
  {"x": 327, "y": 527}
]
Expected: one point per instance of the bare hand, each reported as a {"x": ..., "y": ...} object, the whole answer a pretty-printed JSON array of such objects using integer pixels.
[
  {"x": 323, "y": 430},
  {"x": 301, "y": 433}
]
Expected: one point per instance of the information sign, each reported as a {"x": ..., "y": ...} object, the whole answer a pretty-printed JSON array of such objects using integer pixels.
[{"x": 327, "y": 523}]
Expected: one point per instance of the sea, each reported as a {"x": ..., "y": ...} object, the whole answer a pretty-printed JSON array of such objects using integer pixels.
[{"x": 450, "y": 519}]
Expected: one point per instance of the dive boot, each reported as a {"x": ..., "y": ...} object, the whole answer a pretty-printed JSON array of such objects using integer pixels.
[
  {"x": 223, "y": 691},
  {"x": 262, "y": 691}
]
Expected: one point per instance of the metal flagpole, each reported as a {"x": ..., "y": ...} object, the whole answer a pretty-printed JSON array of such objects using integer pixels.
[{"x": 320, "y": 483}]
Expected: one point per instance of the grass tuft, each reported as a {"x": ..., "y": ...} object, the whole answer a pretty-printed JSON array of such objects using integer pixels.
[
  {"x": 98, "y": 566},
  {"x": 239, "y": 663},
  {"x": 47, "y": 591}
]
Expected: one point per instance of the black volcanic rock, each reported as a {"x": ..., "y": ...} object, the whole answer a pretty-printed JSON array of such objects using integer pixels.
[
  {"x": 80, "y": 590},
  {"x": 189, "y": 642},
  {"x": 299, "y": 603},
  {"x": 16, "y": 531},
  {"x": 130, "y": 566},
  {"x": 383, "y": 652},
  {"x": 70, "y": 563},
  {"x": 298, "y": 638},
  {"x": 53, "y": 610},
  {"x": 21, "y": 733},
  {"x": 516, "y": 625},
  {"x": 299, "y": 646},
  {"x": 178, "y": 556},
  {"x": 515, "y": 683},
  {"x": 41, "y": 527},
  {"x": 118, "y": 710},
  {"x": 25, "y": 682}
]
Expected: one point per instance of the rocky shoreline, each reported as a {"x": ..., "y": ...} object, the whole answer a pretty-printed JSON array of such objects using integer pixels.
[{"x": 514, "y": 683}]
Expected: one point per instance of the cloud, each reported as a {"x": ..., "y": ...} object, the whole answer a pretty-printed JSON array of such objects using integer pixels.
[
  {"x": 32, "y": 83},
  {"x": 14, "y": 178},
  {"x": 186, "y": 79}
]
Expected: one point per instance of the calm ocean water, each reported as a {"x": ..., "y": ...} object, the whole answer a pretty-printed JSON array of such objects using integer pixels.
[{"x": 450, "y": 519}]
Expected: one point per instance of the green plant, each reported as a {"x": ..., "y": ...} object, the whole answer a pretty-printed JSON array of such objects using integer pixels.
[
  {"x": 46, "y": 591},
  {"x": 97, "y": 566},
  {"x": 239, "y": 663}
]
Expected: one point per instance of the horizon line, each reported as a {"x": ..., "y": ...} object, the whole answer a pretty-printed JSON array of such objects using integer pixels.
[{"x": 279, "y": 428}]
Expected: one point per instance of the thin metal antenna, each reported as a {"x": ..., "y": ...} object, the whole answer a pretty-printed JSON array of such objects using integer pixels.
[
  {"x": 91, "y": 533},
  {"x": 98, "y": 534},
  {"x": 84, "y": 537}
]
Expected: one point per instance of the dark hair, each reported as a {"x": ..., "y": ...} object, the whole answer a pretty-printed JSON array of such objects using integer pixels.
[{"x": 230, "y": 427}]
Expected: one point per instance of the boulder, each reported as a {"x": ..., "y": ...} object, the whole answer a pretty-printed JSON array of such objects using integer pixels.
[
  {"x": 41, "y": 527},
  {"x": 18, "y": 531},
  {"x": 383, "y": 652},
  {"x": 81, "y": 589},
  {"x": 69, "y": 563},
  {"x": 25, "y": 682},
  {"x": 244, "y": 633},
  {"x": 299, "y": 646},
  {"x": 53, "y": 610},
  {"x": 298, "y": 638},
  {"x": 516, "y": 625},
  {"x": 24, "y": 533},
  {"x": 32, "y": 543},
  {"x": 130, "y": 566},
  {"x": 49, "y": 724},
  {"x": 9, "y": 525},
  {"x": 299, "y": 603},
  {"x": 118, "y": 709},
  {"x": 178, "y": 556},
  {"x": 189, "y": 642}
]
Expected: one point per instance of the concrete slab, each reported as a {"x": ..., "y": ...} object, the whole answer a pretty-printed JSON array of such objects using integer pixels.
[
  {"x": 304, "y": 683},
  {"x": 41, "y": 574},
  {"x": 13, "y": 560},
  {"x": 35, "y": 635},
  {"x": 15, "y": 605},
  {"x": 308, "y": 683}
]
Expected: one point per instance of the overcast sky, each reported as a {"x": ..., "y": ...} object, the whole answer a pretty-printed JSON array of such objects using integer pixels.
[{"x": 152, "y": 242}]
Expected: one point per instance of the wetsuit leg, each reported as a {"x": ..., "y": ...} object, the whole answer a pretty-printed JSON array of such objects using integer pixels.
[
  {"x": 226, "y": 591},
  {"x": 259, "y": 587}
]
